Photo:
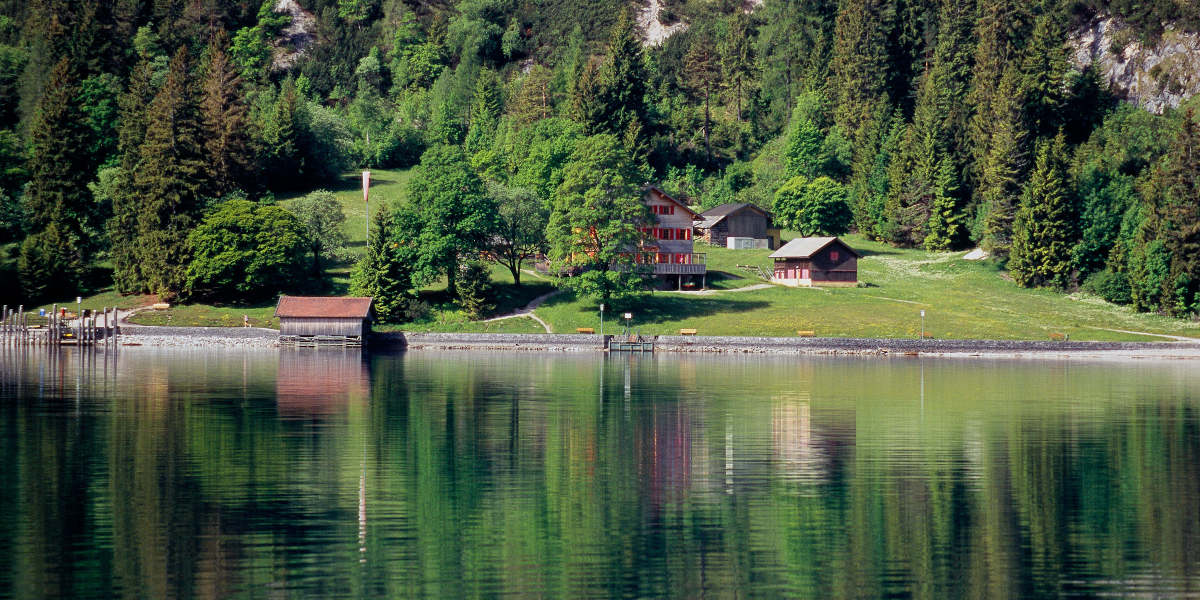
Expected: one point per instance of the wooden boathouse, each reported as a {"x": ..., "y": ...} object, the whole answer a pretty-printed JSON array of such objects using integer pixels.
[{"x": 323, "y": 320}]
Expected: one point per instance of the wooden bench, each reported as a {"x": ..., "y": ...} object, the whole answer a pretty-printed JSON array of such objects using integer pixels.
[
  {"x": 160, "y": 306},
  {"x": 806, "y": 333},
  {"x": 687, "y": 332},
  {"x": 1060, "y": 337},
  {"x": 584, "y": 330}
]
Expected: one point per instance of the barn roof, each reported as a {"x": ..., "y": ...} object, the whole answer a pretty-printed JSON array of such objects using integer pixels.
[
  {"x": 328, "y": 307},
  {"x": 716, "y": 214},
  {"x": 808, "y": 246}
]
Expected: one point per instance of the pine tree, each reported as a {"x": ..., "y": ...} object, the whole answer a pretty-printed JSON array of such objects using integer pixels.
[
  {"x": 171, "y": 180},
  {"x": 623, "y": 76},
  {"x": 803, "y": 155},
  {"x": 701, "y": 67},
  {"x": 945, "y": 226},
  {"x": 223, "y": 118},
  {"x": 1176, "y": 218},
  {"x": 858, "y": 70},
  {"x": 1046, "y": 225},
  {"x": 278, "y": 139},
  {"x": 1003, "y": 168},
  {"x": 1000, "y": 26},
  {"x": 1044, "y": 73},
  {"x": 534, "y": 100},
  {"x": 737, "y": 59},
  {"x": 127, "y": 203},
  {"x": 60, "y": 165},
  {"x": 588, "y": 107}
]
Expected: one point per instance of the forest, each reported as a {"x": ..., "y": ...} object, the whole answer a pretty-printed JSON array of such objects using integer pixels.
[{"x": 144, "y": 143}]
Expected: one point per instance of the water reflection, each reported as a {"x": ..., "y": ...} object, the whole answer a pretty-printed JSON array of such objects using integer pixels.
[{"x": 318, "y": 474}]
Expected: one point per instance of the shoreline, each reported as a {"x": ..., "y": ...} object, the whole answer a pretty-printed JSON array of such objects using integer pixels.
[{"x": 523, "y": 342}]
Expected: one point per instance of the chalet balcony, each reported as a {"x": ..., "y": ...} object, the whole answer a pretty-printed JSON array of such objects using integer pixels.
[{"x": 690, "y": 263}]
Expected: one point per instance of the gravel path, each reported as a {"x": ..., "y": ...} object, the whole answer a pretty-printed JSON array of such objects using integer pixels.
[{"x": 527, "y": 311}]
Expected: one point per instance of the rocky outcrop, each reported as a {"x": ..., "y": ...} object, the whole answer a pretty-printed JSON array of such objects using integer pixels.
[
  {"x": 1154, "y": 76},
  {"x": 299, "y": 34},
  {"x": 649, "y": 20}
]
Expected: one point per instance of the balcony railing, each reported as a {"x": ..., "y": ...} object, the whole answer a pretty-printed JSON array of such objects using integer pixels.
[{"x": 675, "y": 263}]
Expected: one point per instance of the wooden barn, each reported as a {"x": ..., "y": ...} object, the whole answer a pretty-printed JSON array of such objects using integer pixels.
[
  {"x": 313, "y": 320},
  {"x": 823, "y": 261},
  {"x": 740, "y": 220}
]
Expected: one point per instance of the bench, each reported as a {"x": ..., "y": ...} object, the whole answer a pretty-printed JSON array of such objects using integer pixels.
[
  {"x": 584, "y": 330},
  {"x": 160, "y": 306},
  {"x": 806, "y": 333},
  {"x": 687, "y": 332},
  {"x": 1060, "y": 337}
]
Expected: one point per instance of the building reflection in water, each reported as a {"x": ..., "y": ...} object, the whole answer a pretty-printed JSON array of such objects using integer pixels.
[{"x": 319, "y": 383}]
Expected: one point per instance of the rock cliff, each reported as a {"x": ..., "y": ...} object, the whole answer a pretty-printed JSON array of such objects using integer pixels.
[{"x": 1154, "y": 76}]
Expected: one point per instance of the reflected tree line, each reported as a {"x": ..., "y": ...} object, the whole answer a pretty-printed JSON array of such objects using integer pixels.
[{"x": 465, "y": 476}]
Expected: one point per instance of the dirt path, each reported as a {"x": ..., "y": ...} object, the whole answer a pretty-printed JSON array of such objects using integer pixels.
[
  {"x": 749, "y": 288},
  {"x": 527, "y": 311},
  {"x": 1177, "y": 338}
]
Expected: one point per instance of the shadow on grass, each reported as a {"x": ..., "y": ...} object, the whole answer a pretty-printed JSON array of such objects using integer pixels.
[{"x": 662, "y": 308}]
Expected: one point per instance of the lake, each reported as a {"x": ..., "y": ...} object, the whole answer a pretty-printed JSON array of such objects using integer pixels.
[{"x": 300, "y": 474}]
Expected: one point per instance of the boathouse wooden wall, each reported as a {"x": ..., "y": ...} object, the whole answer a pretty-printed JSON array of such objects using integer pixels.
[{"x": 321, "y": 326}]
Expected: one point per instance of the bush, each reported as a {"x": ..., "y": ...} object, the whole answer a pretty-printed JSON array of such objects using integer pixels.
[
  {"x": 816, "y": 207},
  {"x": 1111, "y": 286},
  {"x": 246, "y": 251},
  {"x": 472, "y": 287}
]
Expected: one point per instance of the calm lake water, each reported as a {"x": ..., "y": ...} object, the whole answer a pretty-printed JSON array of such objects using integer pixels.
[{"x": 296, "y": 474}]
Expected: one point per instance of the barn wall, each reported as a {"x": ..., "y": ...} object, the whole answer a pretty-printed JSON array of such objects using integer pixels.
[{"x": 320, "y": 326}]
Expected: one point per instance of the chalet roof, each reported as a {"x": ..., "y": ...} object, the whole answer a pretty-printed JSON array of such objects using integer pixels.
[
  {"x": 328, "y": 307},
  {"x": 808, "y": 246},
  {"x": 695, "y": 215},
  {"x": 715, "y": 215}
]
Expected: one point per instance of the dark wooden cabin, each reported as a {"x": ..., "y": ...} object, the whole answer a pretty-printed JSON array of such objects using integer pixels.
[
  {"x": 824, "y": 261},
  {"x": 323, "y": 319},
  {"x": 737, "y": 220}
]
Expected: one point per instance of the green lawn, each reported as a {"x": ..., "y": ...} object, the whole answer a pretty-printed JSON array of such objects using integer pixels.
[
  {"x": 387, "y": 187},
  {"x": 961, "y": 299}
]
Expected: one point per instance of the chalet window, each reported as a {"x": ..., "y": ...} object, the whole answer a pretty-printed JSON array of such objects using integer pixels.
[
  {"x": 683, "y": 234},
  {"x": 833, "y": 256}
]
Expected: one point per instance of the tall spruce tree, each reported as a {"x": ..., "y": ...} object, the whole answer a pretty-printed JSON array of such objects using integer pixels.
[
  {"x": 1046, "y": 225},
  {"x": 57, "y": 201},
  {"x": 126, "y": 202},
  {"x": 1044, "y": 72},
  {"x": 623, "y": 76},
  {"x": 224, "y": 123},
  {"x": 171, "y": 180},
  {"x": 1176, "y": 218},
  {"x": 1003, "y": 168},
  {"x": 1001, "y": 25},
  {"x": 702, "y": 74},
  {"x": 737, "y": 59},
  {"x": 858, "y": 70}
]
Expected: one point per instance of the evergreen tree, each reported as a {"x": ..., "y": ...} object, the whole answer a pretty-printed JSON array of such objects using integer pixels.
[
  {"x": 623, "y": 76},
  {"x": 486, "y": 107},
  {"x": 279, "y": 134},
  {"x": 1001, "y": 24},
  {"x": 588, "y": 106},
  {"x": 1044, "y": 73},
  {"x": 804, "y": 154},
  {"x": 701, "y": 74},
  {"x": 737, "y": 59},
  {"x": 1176, "y": 218},
  {"x": 224, "y": 122},
  {"x": 385, "y": 272},
  {"x": 170, "y": 180},
  {"x": 858, "y": 69},
  {"x": 1046, "y": 225},
  {"x": 126, "y": 202},
  {"x": 1003, "y": 168},
  {"x": 60, "y": 161},
  {"x": 534, "y": 99}
]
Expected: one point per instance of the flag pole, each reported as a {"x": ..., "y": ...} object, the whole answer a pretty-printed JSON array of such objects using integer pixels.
[{"x": 366, "y": 182}]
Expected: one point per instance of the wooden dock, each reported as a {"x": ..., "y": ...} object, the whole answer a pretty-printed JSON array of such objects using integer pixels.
[{"x": 56, "y": 328}]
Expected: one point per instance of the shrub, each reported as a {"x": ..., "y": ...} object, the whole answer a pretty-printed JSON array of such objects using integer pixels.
[
  {"x": 1109, "y": 285},
  {"x": 246, "y": 251}
]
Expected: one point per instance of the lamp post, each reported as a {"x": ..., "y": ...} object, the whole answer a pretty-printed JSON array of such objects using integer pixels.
[
  {"x": 922, "y": 323},
  {"x": 601, "y": 320}
]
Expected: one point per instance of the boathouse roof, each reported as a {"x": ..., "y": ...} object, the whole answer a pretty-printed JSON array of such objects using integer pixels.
[{"x": 326, "y": 307}]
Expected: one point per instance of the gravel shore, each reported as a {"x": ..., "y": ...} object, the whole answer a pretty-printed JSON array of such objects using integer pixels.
[{"x": 267, "y": 338}]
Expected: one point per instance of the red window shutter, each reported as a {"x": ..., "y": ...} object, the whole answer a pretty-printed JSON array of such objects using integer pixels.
[{"x": 833, "y": 256}]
